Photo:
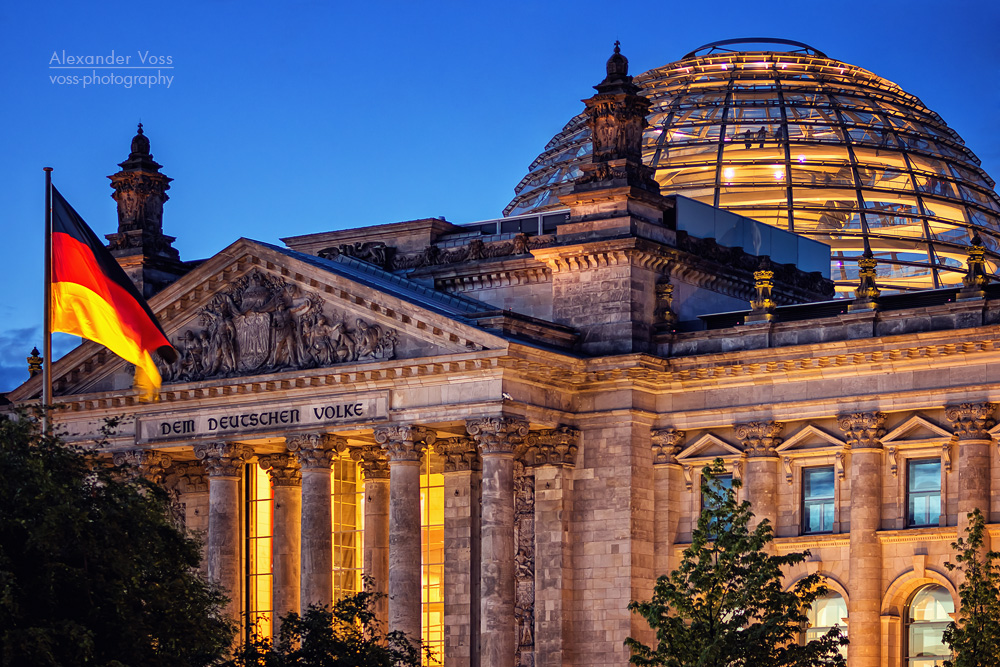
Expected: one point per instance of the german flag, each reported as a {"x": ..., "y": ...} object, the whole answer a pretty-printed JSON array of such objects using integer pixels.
[{"x": 94, "y": 299}]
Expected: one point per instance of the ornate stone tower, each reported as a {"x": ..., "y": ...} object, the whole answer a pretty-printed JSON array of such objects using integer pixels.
[
  {"x": 616, "y": 116},
  {"x": 140, "y": 245}
]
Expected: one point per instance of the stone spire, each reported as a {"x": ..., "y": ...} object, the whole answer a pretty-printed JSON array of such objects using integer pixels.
[
  {"x": 867, "y": 293},
  {"x": 139, "y": 245},
  {"x": 616, "y": 116},
  {"x": 976, "y": 278}
]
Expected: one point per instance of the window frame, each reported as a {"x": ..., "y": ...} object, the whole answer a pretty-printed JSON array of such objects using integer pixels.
[
  {"x": 932, "y": 521},
  {"x": 907, "y": 659},
  {"x": 803, "y": 523}
]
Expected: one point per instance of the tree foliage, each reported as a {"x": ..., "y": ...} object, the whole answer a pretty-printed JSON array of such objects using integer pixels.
[
  {"x": 92, "y": 570},
  {"x": 726, "y": 606},
  {"x": 348, "y": 635},
  {"x": 975, "y": 636}
]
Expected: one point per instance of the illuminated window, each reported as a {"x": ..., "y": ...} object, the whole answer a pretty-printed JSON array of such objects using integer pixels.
[
  {"x": 817, "y": 500},
  {"x": 923, "y": 492},
  {"x": 432, "y": 555},
  {"x": 825, "y": 613},
  {"x": 348, "y": 526},
  {"x": 927, "y": 615},
  {"x": 260, "y": 524}
]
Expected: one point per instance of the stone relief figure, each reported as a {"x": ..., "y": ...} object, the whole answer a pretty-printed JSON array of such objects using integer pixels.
[{"x": 263, "y": 324}]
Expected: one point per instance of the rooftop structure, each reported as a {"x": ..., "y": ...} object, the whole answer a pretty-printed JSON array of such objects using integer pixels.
[{"x": 777, "y": 131}]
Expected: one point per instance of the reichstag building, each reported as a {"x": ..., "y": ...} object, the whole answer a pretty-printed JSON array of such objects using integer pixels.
[{"x": 756, "y": 253}]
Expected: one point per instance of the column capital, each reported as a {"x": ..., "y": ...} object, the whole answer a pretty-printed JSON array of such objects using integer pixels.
[
  {"x": 555, "y": 446},
  {"x": 667, "y": 444},
  {"x": 497, "y": 435},
  {"x": 146, "y": 463},
  {"x": 187, "y": 477},
  {"x": 316, "y": 450},
  {"x": 374, "y": 463},
  {"x": 404, "y": 442},
  {"x": 459, "y": 454},
  {"x": 970, "y": 421},
  {"x": 223, "y": 459},
  {"x": 283, "y": 469},
  {"x": 863, "y": 429},
  {"x": 759, "y": 438}
]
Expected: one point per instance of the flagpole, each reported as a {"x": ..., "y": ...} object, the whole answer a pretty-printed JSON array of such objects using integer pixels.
[{"x": 47, "y": 319}]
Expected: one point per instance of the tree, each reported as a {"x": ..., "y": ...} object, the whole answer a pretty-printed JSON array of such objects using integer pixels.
[
  {"x": 975, "y": 637},
  {"x": 92, "y": 569},
  {"x": 348, "y": 635},
  {"x": 725, "y": 606}
]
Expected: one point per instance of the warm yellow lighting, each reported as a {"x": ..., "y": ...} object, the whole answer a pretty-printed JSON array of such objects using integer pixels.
[
  {"x": 261, "y": 510},
  {"x": 348, "y": 526},
  {"x": 432, "y": 555},
  {"x": 779, "y": 173}
]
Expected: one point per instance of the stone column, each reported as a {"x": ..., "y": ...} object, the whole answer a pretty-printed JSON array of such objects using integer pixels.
[
  {"x": 187, "y": 481},
  {"x": 863, "y": 430},
  {"x": 972, "y": 423},
  {"x": 462, "y": 467},
  {"x": 375, "y": 467},
  {"x": 224, "y": 463},
  {"x": 667, "y": 443},
  {"x": 316, "y": 453},
  {"x": 760, "y": 481},
  {"x": 286, "y": 481},
  {"x": 552, "y": 453},
  {"x": 404, "y": 444},
  {"x": 496, "y": 438}
]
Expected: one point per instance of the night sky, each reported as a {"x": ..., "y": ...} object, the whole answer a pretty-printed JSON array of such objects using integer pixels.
[{"x": 298, "y": 117}]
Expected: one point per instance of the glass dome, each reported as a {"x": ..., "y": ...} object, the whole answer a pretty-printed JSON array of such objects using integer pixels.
[{"x": 792, "y": 138}]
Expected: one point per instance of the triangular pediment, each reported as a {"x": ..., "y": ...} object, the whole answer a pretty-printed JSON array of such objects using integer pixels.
[
  {"x": 257, "y": 309},
  {"x": 809, "y": 438},
  {"x": 917, "y": 429},
  {"x": 709, "y": 446}
]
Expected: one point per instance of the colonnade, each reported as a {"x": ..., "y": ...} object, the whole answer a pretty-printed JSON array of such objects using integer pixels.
[{"x": 479, "y": 572}]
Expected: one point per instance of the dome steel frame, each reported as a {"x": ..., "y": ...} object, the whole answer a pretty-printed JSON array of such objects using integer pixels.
[{"x": 809, "y": 144}]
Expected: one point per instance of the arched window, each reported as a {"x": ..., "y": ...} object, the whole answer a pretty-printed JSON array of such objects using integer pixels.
[
  {"x": 927, "y": 616},
  {"x": 826, "y": 612}
]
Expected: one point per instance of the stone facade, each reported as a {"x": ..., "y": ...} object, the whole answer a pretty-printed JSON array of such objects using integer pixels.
[{"x": 573, "y": 401}]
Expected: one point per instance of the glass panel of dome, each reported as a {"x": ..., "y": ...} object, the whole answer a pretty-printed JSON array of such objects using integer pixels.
[{"x": 941, "y": 209}]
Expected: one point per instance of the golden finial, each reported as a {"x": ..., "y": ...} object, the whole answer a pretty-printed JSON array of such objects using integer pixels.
[
  {"x": 975, "y": 278},
  {"x": 762, "y": 305},
  {"x": 34, "y": 363}
]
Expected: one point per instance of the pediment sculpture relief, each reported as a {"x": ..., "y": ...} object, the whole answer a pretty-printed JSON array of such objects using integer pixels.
[{"x": 262, "y": 324}]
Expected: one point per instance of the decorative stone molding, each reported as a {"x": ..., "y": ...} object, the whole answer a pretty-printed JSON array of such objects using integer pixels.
[
  {"x": 890, "y": 452},
  {"x": 759, "y": 438},
  {"x": 146, "y": 463},
  {"x": 586, "y": 258},
  {"x": 840, "y": 465},
  {"x": 786, "y": 462},
  {"x": 262, "y": 324},
  {"x": 316, "y": 450},
  {"x": 946, "y": 457},
  {"x": 497, "y": 435},
  {"x": 863, "y": 429},
  {"x": 664, "y": 313},
  {"x": 283, "y": 469},
  {"x": 667, "y": 443},
  {"x": 374, "y": 464},
  {"x": 223, "y": 459},
  {"x": 187, "y": 477},
  {"x": 972, "y": 421},
  {"x": 556, "y": 446},
  {"x": 373, "y": 252},
  {"x": 475, "y": 250},
  {"x": 459, "y": 454},
  {"x": 404, "y": 442}
]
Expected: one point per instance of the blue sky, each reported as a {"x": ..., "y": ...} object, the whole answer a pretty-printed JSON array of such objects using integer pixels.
[{"x": 296, "y": 117}]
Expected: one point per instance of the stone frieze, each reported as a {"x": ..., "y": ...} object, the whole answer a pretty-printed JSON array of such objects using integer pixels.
[{"x": 262, "y": 324}]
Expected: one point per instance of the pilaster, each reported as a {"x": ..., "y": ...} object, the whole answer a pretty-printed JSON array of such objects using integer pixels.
[
  {"x": 760, "y": 482},
  {"x": 972, "y": 423}
]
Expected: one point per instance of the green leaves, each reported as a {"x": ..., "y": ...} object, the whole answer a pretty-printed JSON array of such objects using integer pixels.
[
  {"x": 725, "y": 605},
  {"x": 92, "y": 571},
  {"x": 975, "y": 635},
  {"x": 348, "y": 635}
]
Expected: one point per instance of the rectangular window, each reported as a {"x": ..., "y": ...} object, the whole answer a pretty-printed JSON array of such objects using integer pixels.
[
  {"x": 348, "y": 526},
  {"x": 432, "y": 552},
  {"x": 817, "y": 500},
  {"x": 722, "y": 484},
  {"x": 260, "y": 525},
  {"x": 923, "y": 492}
]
